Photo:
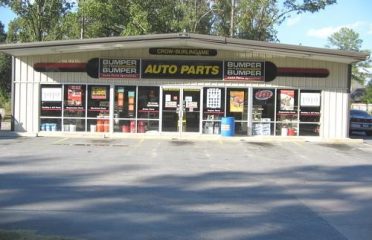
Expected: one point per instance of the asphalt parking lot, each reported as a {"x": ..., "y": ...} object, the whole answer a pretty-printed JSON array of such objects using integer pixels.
[{"x": 186, "y": 189}]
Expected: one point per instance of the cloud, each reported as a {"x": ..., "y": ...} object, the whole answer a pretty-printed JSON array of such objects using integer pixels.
[
  {"x": 293, "y": 21},
  {"x": 369, "y": 32},
  {"x": 322, "y": 32},
  {"x": 327, "y": 31}
]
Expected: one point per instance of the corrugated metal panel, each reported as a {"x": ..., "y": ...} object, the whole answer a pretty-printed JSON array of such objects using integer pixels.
[
  {"x": 336, "y": 80},
  {"x": 334, "y": 114},
  {"x": 334, "y": 99}
]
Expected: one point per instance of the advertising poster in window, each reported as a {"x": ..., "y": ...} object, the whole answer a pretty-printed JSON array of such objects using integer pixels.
[
  {"x": 214, "y": 98},
  {"x": 287, "y": 100},
  {"x": 310, "y": 99},
  {"x": 152, "y": 100},
  {"x": 74, "y": 95},
  {"x": 131, "y": 103},
  {"x": 51, "y": 94},
  {"x": 237, "y": 101},
  {"x": 51, "y": 101},
  {"x": 99, "y": 93},
  {"x": 120, "y": 95}
]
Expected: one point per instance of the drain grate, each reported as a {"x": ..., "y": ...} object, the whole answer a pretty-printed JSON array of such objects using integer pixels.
[
  {"x": 181, "y": 142},
  {"x": 338, "y": 146},
  {"x": 261, "y": 144}
]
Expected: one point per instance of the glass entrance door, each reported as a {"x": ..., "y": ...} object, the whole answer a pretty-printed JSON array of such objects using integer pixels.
[{"x": 181, "y": 110}]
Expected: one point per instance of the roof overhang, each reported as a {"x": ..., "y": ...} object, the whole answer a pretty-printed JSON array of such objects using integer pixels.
[{"x": 182, "y": 40}]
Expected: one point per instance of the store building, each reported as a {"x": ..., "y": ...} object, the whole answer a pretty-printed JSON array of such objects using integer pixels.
[{"x": 179, "y": 83}]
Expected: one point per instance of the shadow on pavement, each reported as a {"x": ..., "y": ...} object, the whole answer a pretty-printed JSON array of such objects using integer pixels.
[{"x": 211, "y": 205}]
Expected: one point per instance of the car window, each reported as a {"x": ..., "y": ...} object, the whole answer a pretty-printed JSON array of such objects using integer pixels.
[{"x": 358, "y": 113}]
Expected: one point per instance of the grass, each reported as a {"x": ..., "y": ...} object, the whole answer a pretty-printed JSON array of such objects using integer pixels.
[{"x": 27, "y": 235}]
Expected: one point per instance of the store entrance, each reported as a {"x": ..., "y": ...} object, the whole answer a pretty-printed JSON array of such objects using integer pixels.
[{"x": 181, "y": 110}]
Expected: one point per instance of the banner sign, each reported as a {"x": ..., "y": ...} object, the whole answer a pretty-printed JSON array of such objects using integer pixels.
[
  {"x": 119, "y": 68},
  {"x": 244, "y": 70},
  {"x": 166, "y": 69},
  {"x": 183, "y": 51}
]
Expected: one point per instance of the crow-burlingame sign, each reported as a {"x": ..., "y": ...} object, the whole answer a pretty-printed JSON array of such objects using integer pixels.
[{"x": 183, "y": 51}]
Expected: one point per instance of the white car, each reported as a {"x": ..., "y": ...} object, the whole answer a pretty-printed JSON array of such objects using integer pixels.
[{"x": 360, "y": 121}]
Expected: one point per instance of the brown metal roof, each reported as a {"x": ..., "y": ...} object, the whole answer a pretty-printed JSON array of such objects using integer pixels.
[{"x": 181, "y": 40}]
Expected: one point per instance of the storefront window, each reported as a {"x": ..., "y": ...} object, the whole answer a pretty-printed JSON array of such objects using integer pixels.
[
  {"x": 98, "y": 101},
  {"x": 51, "y": 101},
  {"x": 98, "y": 108},
  {"x": 148, "y": 102},
  {"x": 263, "y": 112},
  {"x": 74, "y": 125},
  {"x": 50, "y": 108},
  {"x": 148, "y": 109},
  {"x": 310, "y": 103},
  {"x": 237, "y": 107},
  {"x": 287, "y": 112},
  {"x": 74, "y": 101},
  {"x": 214, "y": 109},
  {"x": 50, "y": 124},
  {"x": 125, "y": 109}
]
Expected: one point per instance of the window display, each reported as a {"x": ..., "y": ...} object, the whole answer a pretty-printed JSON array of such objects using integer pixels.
[
  {"x": 125, "y": 109},
  {"x": 148, "y": 102},
  {"x": 74, "y": 101},
  {"x": 214, "y": 109},
  {"x": 281, "y": 112},
  {"x": 263, "y": 111},
  {"x": 98, "y": 108},
  {"x": 237, "y": 107},
  {"x": 287, "y": 112},
  {"x": 51, "y": 101},
  {"x": 310, "y": 102},
  {"x": 98, "y": 101},
  {"x": 148, "y": 109}
]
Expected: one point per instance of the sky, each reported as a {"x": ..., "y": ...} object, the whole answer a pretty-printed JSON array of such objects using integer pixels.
[
  {"x": 313, "y": 29},
  {"x": 310, "y": 29}
]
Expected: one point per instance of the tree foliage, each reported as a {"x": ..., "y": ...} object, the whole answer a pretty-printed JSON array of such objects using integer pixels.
[
  {"x": 2, "y": 33},
  {"x": 5, "y": 70},
  {"x": 37, "y": 20},
  {"x": 367, "y": 97},
  {"x": 136, "y": 17},
  {"x": 257, "y": 19},
  {"x": 348, "y": 40},
  {"x": 252, "y": 19}
]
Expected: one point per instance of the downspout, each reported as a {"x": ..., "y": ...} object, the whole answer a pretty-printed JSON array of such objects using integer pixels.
[
  {"x": 349, "y": 70},
  {"x": 12, "y": 105}
]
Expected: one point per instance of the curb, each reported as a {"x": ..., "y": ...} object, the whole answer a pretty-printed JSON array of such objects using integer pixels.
[{"x": 183, "y": 137}]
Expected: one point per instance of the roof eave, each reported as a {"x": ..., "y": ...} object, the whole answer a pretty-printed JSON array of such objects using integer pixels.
[{"x": 179, "y": 40}]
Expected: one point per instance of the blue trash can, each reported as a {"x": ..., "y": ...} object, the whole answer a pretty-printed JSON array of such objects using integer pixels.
[{"x": 227, "y": 126}]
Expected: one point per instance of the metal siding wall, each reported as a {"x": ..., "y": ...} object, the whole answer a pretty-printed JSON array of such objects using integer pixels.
[
  {"x": 334, "y": 98},
  {"x": 335, "y": 115},
  {"x": 17, "y": 95},
  {"x": 336, "y": 79}
]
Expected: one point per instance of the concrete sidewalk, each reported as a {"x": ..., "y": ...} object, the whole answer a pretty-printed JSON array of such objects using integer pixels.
[{"x": 186, "y": 189}]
